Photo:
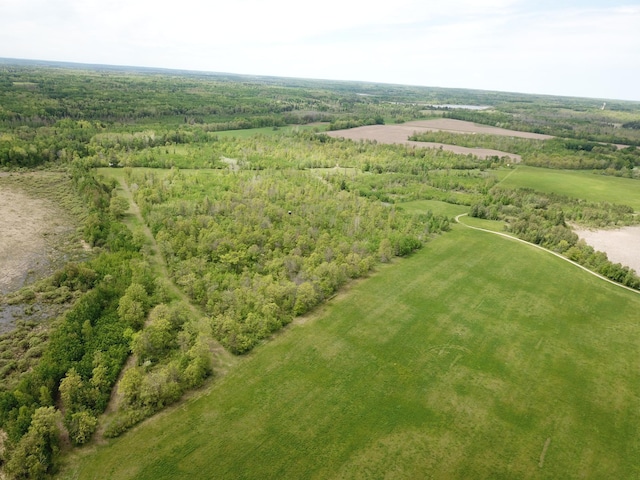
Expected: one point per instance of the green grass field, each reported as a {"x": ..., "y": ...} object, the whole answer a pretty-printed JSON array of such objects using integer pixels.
[
  {"x": 478, "y": 357},
  {"x": 574, "y": 183},
  {"x": 434, "y": 206},
  {"x": 250, "y": 132}
]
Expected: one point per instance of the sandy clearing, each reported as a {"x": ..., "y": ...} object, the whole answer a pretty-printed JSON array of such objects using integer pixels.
[
  {"x": 400, "y": 134},
  {"x": 25, "y": 223},
  {"x": 621, "y": 245}
]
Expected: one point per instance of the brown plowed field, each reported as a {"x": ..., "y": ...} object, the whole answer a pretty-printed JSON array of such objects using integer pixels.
[{"x": 400, "y": 134}]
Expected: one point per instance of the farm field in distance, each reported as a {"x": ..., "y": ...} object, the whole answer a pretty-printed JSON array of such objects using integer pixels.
[
  {"x": 577, "y": 184},
  {"x": 254, "y": 277},
  {"x": 401, "y": 133}
]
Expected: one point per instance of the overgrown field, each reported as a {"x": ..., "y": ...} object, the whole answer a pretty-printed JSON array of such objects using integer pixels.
[{"x": 477, "y": 357}]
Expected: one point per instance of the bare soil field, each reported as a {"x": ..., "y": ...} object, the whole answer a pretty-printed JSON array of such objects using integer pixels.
[
  {"x": 400, "y": 134},
  {"x": 28, "y": 228},
  {"x": 621, "y": 245},
  {"x": 461, "y": 126}
]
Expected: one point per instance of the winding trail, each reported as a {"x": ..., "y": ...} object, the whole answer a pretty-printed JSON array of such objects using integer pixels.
[
  {"x": 221, "y": 356},
  {"x": 547, "y": 250},
  {"x": 156, "y": 258},
  {"x": 222, "y": 359}
]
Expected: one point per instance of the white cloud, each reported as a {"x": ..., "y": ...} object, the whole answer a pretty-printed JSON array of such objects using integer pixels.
[{"x": 489, "y": 44}]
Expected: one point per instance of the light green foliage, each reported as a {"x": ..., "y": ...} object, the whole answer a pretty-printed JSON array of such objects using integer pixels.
[
  {"x": 385, "y": 250},
  {"x": 238, "y": 241},
  {"x": 71, "y": 391},
  {"x": 35, "y": 456},
  {"x": 173, "y": 358},
  {"x": 129, "y": 386},
  {"x": 306, "y": 298},
  {"x": 161, "y": 387},
  {"x": 199, "y": 366},
  {"x": 133, "y": 305},
  {"x": 154, "y": 390},
  {"x": 118, "y": 206},
  {"x": 81, "y": 426},
  {"x": 149, "y": 344}
]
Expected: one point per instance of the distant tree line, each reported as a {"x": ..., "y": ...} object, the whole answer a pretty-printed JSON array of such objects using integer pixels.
[
  {"x": 554, "y": 120},
  {"x": 552, "y": 153}
]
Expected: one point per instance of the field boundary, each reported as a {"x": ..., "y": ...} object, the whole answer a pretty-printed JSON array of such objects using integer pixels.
[{"x": 602, "y": 277}]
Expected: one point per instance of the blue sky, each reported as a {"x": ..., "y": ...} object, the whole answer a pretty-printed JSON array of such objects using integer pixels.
[{"x": 565, "y": 47}]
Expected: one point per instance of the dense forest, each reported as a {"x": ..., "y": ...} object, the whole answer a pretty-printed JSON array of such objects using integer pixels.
[{"x": 253, "y": 229}]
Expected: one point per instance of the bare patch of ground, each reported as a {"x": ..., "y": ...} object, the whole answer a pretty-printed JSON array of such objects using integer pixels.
[
  {"x": 461, "y": 126},
  {"x": 25, "y": 223},
  {"x": 621, "y": 245},
  {"x": 36, "y": 237},
  {"x": 400, "y": 134}
]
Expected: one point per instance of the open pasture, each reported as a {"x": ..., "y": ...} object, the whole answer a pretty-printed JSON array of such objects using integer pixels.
[
  {"x": 574, "y": 183},
  {"x": 434, "y": 206},
  {"x": 250, "y": 132},
  {"x": 477, "y": 357}
]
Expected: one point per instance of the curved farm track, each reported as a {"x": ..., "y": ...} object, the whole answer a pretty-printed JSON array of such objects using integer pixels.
[{"x": 548, "y": 251}]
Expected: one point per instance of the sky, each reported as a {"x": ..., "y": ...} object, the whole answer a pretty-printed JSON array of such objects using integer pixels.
[{"x": 587, "y": 48}]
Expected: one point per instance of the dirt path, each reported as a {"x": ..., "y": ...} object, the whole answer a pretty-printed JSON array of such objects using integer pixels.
[
  {"x": 222, "y": 359},
  {"x": 156, "y": 258},
  {"x": 547, "y": 250}
]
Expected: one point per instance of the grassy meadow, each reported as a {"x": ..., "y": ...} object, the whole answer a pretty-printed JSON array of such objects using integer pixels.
[
  {"x": 574, "y": 183},
  {"x": 477, "y": 357},
  {"x": 250, "y": 132},
  {"x": 435, "y": 206}
]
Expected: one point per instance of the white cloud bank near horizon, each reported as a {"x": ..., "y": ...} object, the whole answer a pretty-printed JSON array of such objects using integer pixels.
[{"x": 585, "y": 48}]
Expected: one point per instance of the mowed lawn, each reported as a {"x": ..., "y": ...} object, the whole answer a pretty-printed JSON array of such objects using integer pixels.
[
  {"x": 478, "y": 357},
  {"x": 575, "y": 183}
]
